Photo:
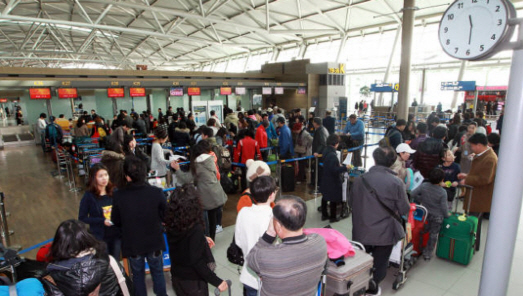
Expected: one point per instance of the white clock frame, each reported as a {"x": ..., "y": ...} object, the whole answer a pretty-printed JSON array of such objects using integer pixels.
[{"x": 474, "y": 29}]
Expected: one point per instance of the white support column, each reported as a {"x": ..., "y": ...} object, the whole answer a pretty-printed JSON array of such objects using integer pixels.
[
  {"x": 389, "y": 64},
  {"x": 462, "y": 68},
  {"x": 508, "y": 188},
  {"x": 406, "y": 47},
  {"x": 343, "y": 42}
]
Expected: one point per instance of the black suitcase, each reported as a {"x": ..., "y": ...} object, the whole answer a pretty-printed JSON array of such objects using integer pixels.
[{"x": 287, "y": 178}]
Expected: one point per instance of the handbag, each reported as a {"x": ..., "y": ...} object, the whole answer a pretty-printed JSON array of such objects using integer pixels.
[
  {"x": 235, "y": 253},
  {"x": 122, "y": 281}
]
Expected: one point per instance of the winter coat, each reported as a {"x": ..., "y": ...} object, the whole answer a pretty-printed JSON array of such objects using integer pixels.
[
  {"x": 189, "y": 256},
  {"x": 206, "y": 181},
  {"x": 181, "y": 137},
  {"x": 332, "y": 178},
  {"x": 329, "y": 123},
  {"x": 231, "y": 118},
  {"x": 427, "y": 157},
  {"x": 247, "y": 148},
  {"x": 141, "y": 127},
  {"x": 482, "y": 175},
  {"x": 114, "y": 163},
  {"x": 319, "y": 141},
  {"x": 372, "y": 224},
  {"x": 80, "y": 277}
]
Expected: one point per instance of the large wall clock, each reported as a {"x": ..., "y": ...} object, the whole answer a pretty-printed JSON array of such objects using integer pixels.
[{"x": 474, "y": 29}]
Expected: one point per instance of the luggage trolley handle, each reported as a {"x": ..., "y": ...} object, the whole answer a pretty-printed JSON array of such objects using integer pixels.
[
  {"x": 471, "y": 188},
  {"x": 229, "y": 284}
]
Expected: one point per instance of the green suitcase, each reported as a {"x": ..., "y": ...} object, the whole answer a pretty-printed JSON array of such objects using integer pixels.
[
  {"x": 272, "y": 157},
  {"x": 457, "y": 237}
]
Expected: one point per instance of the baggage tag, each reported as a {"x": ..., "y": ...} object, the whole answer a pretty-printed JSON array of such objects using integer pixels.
[{"x": 462, "y": 218}]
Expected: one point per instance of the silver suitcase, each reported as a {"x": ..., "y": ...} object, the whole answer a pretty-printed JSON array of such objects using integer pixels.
[{"x": 351, "y": 279}]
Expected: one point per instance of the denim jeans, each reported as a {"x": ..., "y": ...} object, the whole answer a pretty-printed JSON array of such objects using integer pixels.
[
  {"x": 155, "y": 260},
  {"x": 248, "y": 291}
]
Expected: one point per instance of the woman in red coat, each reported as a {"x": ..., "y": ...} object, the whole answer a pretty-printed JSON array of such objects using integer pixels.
[{"x": 246, "y": 148}]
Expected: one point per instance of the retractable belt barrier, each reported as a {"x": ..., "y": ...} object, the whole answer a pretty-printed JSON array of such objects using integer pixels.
[{"x": 379, "y": 134}]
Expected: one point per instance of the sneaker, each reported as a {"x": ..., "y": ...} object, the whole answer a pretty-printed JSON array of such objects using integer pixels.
[
  {"x": 219, "y": 228},
  {"x": 374, "y": 294}
]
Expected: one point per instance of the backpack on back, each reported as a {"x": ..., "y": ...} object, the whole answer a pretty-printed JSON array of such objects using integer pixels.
[{"x": 224, "y": 158}]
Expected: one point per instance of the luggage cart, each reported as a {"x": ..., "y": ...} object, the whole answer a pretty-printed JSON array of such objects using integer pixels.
[{"x": 408, "y": 256}]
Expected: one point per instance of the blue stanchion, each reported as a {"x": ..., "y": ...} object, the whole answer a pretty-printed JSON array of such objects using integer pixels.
[
  {"x": 94, "y": 149},
  {"x": 379, "y": 134},
  {"x": 35, "y": 246},
  {"x": 377, "y": 128}
]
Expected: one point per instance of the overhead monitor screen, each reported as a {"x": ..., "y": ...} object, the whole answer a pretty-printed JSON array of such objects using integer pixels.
[
  {"x": 225, "y": 91},
  {"x": 193, "y": 91},
  {"x": 116, "y": 92},
  {"x": 267, "y": 90},
  {"x": 302, "y": 91},
  {"x": 39, "y": 93},
  {"x": 137, "y": 91},
  {"x": 239, "y": 90},
  {"x": 176, "y": 92},
  {"x": 278, "y": 90},
  {"x": 67, "y": 93}
]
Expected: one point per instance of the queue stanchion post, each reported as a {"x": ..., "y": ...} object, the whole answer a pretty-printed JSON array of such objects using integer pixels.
[
  {"x": 278, "y": 171},
  {"x": 6, "y": 233},
  {"x": 316, "y": 192},
  {"x": 365, "y": 157}
]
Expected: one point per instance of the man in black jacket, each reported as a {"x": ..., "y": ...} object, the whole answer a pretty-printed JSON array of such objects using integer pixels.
[
  {"x": 139, "y": 210},
  {"x": 395, "y": 134},
  {"x": 319, "y": 143},
  {"x": 329, "y": 122}
]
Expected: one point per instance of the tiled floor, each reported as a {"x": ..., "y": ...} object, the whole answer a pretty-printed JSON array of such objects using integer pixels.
[{"x": 38, "y": 202}]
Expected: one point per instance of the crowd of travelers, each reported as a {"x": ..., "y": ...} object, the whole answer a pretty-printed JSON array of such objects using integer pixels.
[{"x": 128, "y": 217}]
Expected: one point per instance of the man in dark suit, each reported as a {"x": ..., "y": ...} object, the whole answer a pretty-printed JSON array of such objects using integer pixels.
[{"x": 329, "y": 122}]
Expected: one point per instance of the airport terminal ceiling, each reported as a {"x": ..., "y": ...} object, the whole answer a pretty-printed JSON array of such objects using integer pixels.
[{"x": 191, "y": 35}]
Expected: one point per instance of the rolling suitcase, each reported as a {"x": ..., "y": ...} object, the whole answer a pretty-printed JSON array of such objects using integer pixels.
[
  {"x": 457, "y": 237},
  {"x": 351, "y": 279},
  {"x": 420, "y": 238},
  {"x": 287, "y": 178}
]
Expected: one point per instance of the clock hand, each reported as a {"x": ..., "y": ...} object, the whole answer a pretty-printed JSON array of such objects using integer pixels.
[{"x": 470, "y": 32}]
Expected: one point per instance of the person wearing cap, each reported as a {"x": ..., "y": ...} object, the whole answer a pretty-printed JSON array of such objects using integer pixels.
[
  {"x": 395, "y": 134},
  {"x": 285, "y": 139},
  {"x": 355, "y": 129},
  {"x": 400, "y": 166}
]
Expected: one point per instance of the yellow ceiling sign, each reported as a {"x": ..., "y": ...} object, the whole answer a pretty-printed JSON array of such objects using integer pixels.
[{"x": 339, "y": 70}]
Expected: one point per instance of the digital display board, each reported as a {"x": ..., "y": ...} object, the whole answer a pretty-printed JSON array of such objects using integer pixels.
[
  {"x": 239, "y": 90},
  {"x": 278, "y": 90},
  {"x": 302, "y": 91},
  {"x": 176, "y": 92},
  {"x": 3, "y": 100},
  {"x": 267, "y": 90},
  {"x": 116, "y": 92},
  {"x": 193, "y": 91},
  {"x": 137, "y": 91},
  {"x": 40, "y": 93},
  {"x": 224, "y": 91},
  {"x": 67, "y": 93}
]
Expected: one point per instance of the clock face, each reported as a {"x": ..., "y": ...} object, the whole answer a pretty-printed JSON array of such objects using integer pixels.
[{"x": 471, "y": 29}]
